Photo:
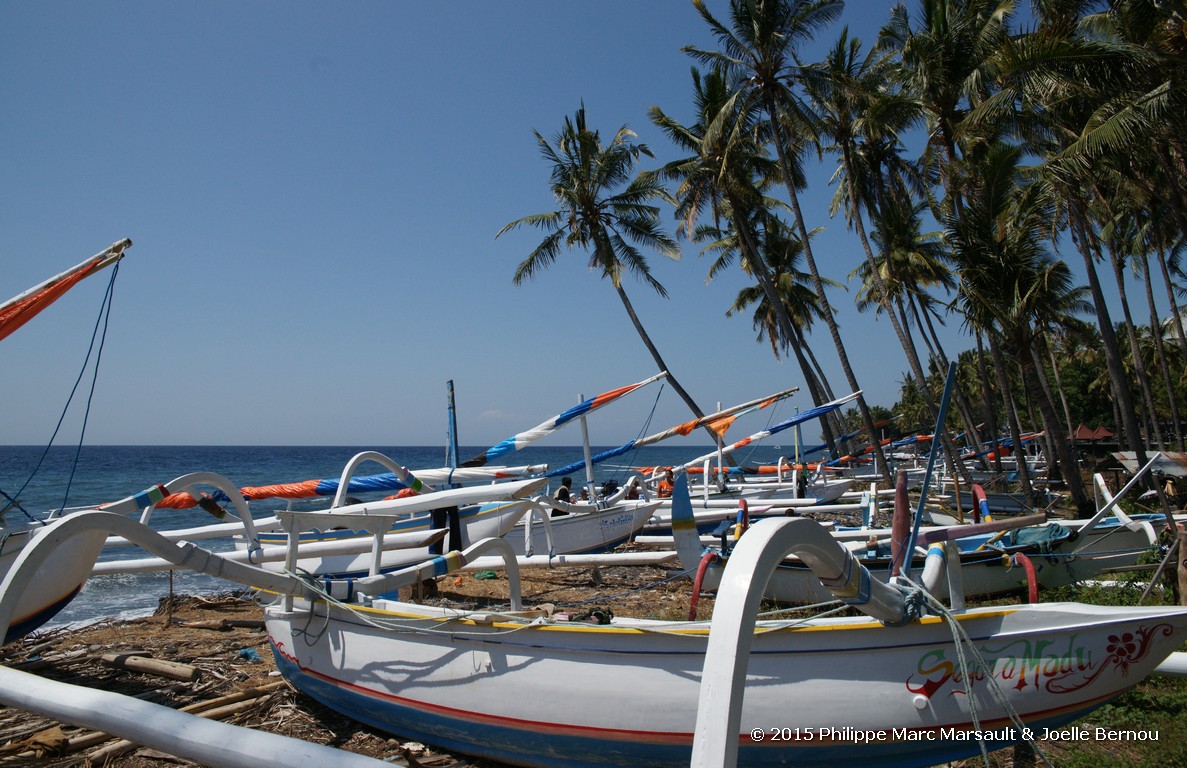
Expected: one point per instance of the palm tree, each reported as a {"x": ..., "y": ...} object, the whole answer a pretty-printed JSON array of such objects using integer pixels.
[
  {"x": 1010, "y": 287},
  {"x": 781, "y": 251},
  {"x": 758, "y": 50},
  {"x": 1104, "y": 91},
  {"x": 593, "y": 216},
  {"x": 857, "y": 109},
  {"x": 948, "y": 66},
  {"x": 726, "y": 176}
]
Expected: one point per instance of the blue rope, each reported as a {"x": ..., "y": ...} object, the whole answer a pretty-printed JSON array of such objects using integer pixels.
[
  {"x": 102, "y": 320},
  {"x": 105, "y": 314}
]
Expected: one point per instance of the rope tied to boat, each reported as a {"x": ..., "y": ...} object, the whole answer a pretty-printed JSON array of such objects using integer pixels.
[
  {"x": 965, "y": 650},
  {"x": 914, "y": 604}
]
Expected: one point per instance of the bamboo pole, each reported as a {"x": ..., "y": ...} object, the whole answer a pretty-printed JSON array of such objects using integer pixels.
[{"x": 1181, "y": 540}]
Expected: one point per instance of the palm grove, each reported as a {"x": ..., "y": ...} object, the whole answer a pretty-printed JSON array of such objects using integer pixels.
[{"x": 1046, "y": 136}]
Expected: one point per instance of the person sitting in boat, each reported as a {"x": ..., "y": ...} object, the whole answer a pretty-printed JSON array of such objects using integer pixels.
[
  {"x": 664, "y": 490},
  {"x": 633, "y": 491},
  {"x": 565, "y": 494}
]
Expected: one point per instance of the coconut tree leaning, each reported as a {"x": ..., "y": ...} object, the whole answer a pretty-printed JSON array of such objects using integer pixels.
[
  {"x": 725, "y": 177},
  {"x": 781, "y": 252},
  {"x": 848, "y": 90},
  {"x": 604, "y": 211},
  {"x": 758, "y": 49}
]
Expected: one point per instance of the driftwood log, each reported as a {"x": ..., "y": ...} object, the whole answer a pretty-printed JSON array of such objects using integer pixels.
[{"x": 139, "y": 661}]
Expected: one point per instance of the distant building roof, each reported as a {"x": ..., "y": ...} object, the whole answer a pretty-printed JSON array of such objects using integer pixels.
[
  {"x": 1085, "y": 433},
  {"x": 1170, "y": 463}
]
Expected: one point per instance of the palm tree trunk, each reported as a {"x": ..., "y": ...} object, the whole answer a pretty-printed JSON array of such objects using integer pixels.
[
  {"x": 1003, "y": 381},
  {"x": 1053, "y": 430},
  {"x": 932, "y": 353},
  {"x": 818, "y": 285},
  {"x": 1160, "y": 348},
  {"x": 1139, "y": 365},
  {"x": 815, "y": 388},
  {"x": 1121, "y": 391},
  {"x": 1062, "y": 459},
  {"x": 950, "y": 453},
  {"x": 758, "y": 268},
  {"x": 659, "y": 361},
  {"x": 832, "y": 418},
  {"x": 1067, "y": 412},
  {"x": 1181, "y": 337},
  {"x": 994, "y": 428},
  {"x": 963, "y": 406}
]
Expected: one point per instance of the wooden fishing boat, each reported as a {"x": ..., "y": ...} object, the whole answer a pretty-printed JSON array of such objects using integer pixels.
[
  {"x": 1004, "y": 503},
  {"x": 1010, "y": 556},
  {"x": 584, "y": 529},
  {"x": 55, "y": 585},
  {"x": 533, "y": 692},
  {"x": 526, "y": 689},
  {"x": 468, "y": 514}
]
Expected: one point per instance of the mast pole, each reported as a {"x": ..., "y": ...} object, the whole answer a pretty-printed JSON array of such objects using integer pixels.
[
  {"x": 451, "y": 448},
  {"x": 589, "y": 472}
]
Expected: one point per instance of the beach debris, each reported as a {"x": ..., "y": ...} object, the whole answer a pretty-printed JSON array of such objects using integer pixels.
[
  {"x": 50, "y": 741},
  {"x": 140, "y": 661}
]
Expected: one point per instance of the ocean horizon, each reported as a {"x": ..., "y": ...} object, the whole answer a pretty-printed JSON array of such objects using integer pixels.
[{"x": 67, "y": 476}]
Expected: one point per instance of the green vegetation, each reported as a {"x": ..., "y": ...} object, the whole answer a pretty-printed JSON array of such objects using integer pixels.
[
  {"x": 978, "y": 148},
  {"x": 1154, "y": 705}
]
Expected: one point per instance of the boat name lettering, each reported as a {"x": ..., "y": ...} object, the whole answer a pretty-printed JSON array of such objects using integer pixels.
[
  {"x": 1043, "y": 664},
  {"x": 1048, "y": 665},
  {"x": 616, "y": 522}
]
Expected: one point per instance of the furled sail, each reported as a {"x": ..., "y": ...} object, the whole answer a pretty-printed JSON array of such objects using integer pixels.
[
  {"x": 799, "y": 418},
  {"x": 523, "y": 439},
  {"x": 21, "y": 309},
  {"x": 383, "y": 481},
  {"x": 717, "y": 421}
]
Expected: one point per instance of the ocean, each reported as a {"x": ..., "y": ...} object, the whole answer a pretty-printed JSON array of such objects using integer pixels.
[{"x": 102, "y": 474}]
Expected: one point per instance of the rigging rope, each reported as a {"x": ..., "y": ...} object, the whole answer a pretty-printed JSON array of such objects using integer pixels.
[
  {"x": 965, "y": 648},
  {"x": 624, "y": 470},
  {"x": 102, "y": 320}
]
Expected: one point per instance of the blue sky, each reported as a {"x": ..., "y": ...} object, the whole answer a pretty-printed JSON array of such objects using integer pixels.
[{"x": 313, "y": 192}]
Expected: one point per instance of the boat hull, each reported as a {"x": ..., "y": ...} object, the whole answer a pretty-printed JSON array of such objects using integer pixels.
[
  {"x": 547, "y": 694},
  {"x": 582, "y": 533},
  {"x": 478, "y": 522},
  {"x": 54, "y": 584}
]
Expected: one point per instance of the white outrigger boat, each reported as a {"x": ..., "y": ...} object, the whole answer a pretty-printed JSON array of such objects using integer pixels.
[
  {"x": 1006, "y": 556},
  {"x": 54, "y": 588},
  {"x": 527, "y": 688}
]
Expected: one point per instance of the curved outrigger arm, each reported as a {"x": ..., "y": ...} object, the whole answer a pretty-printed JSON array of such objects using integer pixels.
[
  {"x": 188, "y": 556},
  {"x": 150, "y": 497},
  {"x": 750, "y": 566},
  {"x": 182, "y": 554},
  {"x": 401, "y": 472}
]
